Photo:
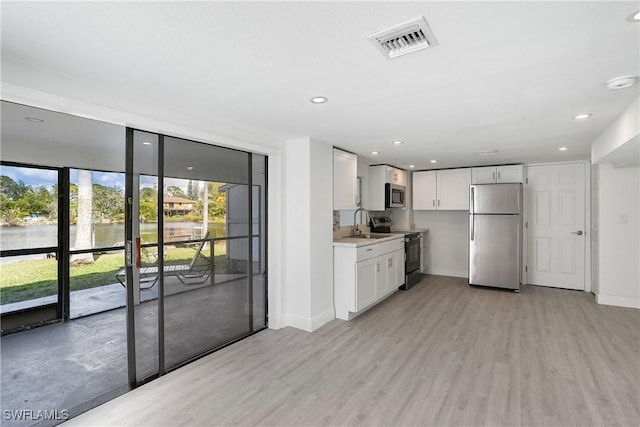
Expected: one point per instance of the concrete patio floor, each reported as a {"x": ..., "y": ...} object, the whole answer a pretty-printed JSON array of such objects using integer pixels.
[
  {"x": 75, "y": 364},
  {"x": 102, "y": 298}
]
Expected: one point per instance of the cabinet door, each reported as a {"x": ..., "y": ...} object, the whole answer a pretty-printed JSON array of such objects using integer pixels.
[
  {"x": 400, "y": 271},
  {"x": 395, "y": 270},
  {"x": 453, "y": 189},
  {"x": 390, "y": 263},
  {"x": 424, "y": 190},
  {"x": 483, "y": 175},
  {"x": 345, "y": 180},
  {"x": 366, "y": 273},
  {"x": 508, "y": 174}
]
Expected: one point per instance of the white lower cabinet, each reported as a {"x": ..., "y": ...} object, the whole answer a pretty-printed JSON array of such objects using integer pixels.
[
  {"x": 367, "y": 282},
  {"x": 365, "y": 275}
]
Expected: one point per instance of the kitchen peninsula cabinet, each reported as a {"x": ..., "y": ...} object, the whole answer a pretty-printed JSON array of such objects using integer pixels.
[{"x": 366, "y": 273}]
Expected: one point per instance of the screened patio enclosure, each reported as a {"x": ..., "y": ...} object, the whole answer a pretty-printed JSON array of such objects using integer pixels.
[{"x": 133, "y": 251}]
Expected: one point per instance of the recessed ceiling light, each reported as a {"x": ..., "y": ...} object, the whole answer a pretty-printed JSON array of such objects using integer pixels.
[
  {"x": 375, "y": 153},
  {"x": 412, "y": 166},
  {"x": 563, "y": 148},
  {"x": 636, "y": 16},
  {"x": 146, "y": 143},
  {"x": 319, "y": 99},
  {"x": 433, "y": 161},
  {"x": 34, "y": 120},
  {"x": 621, "y": 82},
  {"x": 582, "y": 116},
  {"x": 398, "y": 142},
  {"x": 190, "y": 168}
]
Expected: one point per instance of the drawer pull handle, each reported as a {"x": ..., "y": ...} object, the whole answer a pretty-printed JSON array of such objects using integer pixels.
[{"x": 368, "y": 250}]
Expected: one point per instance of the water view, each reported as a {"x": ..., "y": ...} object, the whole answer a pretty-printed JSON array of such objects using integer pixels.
[{"x": 106, "y": 235}]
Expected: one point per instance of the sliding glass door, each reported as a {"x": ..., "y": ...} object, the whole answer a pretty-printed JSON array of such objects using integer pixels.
[{"x": 195, "y": 235}]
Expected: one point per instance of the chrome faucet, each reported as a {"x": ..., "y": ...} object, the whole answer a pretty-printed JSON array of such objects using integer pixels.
[{"x": 355, "y": 225}]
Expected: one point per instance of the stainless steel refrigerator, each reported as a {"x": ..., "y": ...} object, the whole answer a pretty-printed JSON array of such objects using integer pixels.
[{"x": 495, "y": 235}]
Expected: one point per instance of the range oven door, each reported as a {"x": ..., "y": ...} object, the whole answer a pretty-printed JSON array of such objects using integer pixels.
[{"x": 413, "y": 250}]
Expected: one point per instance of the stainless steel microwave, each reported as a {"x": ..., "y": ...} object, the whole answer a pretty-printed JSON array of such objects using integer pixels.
[{"x": 394, "y": 196}]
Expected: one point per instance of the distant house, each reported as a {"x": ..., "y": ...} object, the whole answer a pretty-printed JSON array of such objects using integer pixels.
[{"x": 177, "y": 205}]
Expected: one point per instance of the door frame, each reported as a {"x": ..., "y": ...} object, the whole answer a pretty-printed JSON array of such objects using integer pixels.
[{"x": 587, "y": 219}]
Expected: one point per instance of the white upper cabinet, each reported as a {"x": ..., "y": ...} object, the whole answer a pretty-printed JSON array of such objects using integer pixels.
[
  {"x": 345, "y": 180},
  {"x": 396, "y": 176},
  {"x": 446, "y": 189},
  {"x": 424, "y": 190},
  {"x": 497, "y": 174},
  {"x": 379, "y": 175},
  {"x": 453, "y": 189}
]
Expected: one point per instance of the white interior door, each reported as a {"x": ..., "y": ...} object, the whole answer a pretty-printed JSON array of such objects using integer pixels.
[{"x": 557, "y": 229}]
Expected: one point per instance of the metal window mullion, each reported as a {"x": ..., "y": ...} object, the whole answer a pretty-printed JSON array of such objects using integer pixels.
[
  {"x": 128, "y": 231},
  {"x": 263, "y": 240},
  {"x": 250, "y": 242},
  {"x": 161, "y": 337},
  {"x": 64, "y": 277}
]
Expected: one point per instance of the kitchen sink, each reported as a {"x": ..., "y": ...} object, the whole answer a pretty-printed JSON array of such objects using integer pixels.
[{"x": 372, "y": 236}]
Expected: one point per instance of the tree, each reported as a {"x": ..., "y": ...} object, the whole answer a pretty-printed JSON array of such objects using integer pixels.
[
  {"x": 108, "y": 202},
  {"x": 36, "y": 202},
  {"x": 12, "y": 190},
  {"x": 193, "y": 190},
  {"x": 175, "y": 191},
  {"x": 148, "y": 204},
  {"x": 18, "y": 200},
  {"x": 217, "y": 200},
  {"x": 84, "y": 229}
]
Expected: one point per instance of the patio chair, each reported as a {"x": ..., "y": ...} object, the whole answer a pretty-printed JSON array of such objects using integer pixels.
[{"x": 196, "y": 272}]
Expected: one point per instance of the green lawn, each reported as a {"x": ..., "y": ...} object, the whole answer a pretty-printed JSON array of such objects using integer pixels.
[{"x": 24, "y": 280}]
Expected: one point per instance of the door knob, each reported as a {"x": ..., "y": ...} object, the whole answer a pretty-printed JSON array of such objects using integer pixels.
[{"x": 579, "y": 232}]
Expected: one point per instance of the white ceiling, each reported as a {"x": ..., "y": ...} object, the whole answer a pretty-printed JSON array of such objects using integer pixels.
[{"x": 505, "y": 75}]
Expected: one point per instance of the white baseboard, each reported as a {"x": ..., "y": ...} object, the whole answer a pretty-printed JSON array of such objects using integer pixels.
[
  {"x": 445, "y": 272},
  {"x": 310, "y": 324},
  {"x": 618, "y": 301},
  {"x": 322, "y": 319}
]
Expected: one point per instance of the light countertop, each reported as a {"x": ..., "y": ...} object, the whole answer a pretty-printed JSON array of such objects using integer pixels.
[{"x": 356, "y": 242}]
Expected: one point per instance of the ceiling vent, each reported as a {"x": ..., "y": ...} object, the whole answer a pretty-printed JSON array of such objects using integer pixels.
[{"x": 404, "y": 38}]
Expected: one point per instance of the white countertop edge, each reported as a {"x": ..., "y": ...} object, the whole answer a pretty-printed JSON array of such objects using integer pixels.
[{"x": 356, "y": 242}]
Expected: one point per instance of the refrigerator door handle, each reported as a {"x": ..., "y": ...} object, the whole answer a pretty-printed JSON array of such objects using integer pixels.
[
  {"x": 472, "y": 226},
  {"x": 472, "y": 201}
]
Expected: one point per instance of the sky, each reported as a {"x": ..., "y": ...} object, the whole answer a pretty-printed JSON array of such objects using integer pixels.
[{"x": 37, "y": 177}]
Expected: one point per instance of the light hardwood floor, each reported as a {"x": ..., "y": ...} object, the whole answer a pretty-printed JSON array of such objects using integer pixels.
[{"x": 442, "y": 353}]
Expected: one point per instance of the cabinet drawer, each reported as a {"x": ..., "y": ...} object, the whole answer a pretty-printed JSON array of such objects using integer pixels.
[
  {"x": 377, "y": 249},
  {"x": 366, "y": 252}
]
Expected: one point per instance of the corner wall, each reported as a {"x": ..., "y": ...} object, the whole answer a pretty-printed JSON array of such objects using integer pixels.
[
  {"x": 308, "y": 236},
  {"x": 619, "y": 236},
  {"x": 618, "y": 211}
]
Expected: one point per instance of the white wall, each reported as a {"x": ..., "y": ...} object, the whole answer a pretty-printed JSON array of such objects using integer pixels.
[
  {"x": 321, "y": 189},
  {"x": 618, "y": 205},
  {"x": 447, "y": 241},
  {"x": 619, "y": 236},
  {"x": 307, "y": 230},
  {"x": 594, "y": 235},
  {"x": 622, "y": 130}
]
